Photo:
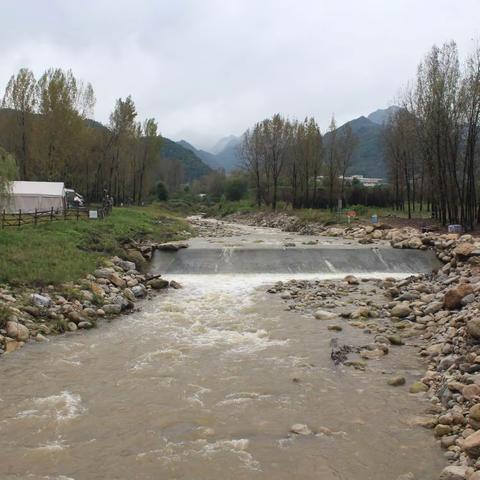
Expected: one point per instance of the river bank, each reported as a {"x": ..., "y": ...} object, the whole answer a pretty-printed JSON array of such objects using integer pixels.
[
  {"x": 436, "y": 313},
  {"x": 67, "y": 276}
]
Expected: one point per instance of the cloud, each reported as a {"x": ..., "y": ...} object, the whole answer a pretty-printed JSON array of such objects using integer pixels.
[{"x": 208, "y": 68}]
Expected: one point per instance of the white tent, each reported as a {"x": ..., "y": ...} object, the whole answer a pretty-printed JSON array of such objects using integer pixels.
[{"x": 28, "y": 196}]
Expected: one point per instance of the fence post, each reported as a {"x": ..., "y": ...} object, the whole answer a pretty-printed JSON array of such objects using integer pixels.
[
  {"x": 19, "y": 218},
  {"x": 78, "y": 213},
  {"x": 51, "y": 214},
  {"x": 65, "y": 213},
  {"x": 3, "y": 219},
  {"x": 35, "y": 218}
]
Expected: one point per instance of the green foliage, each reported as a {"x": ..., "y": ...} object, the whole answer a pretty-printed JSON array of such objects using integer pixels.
[
  {"x": 5, "y": 314},
  {"x": 162, "y": 192},
  {"x": 64, "y": 251},
  {"x": 236, "y": 188},
  {"x": 8, "y": 172}
]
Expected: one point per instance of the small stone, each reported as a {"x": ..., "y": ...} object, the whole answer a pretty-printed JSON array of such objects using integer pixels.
[
  {"x": 396, "y": 381},
  {"x": 471, "y": 444},
  {"x": 324, "y": 315},
  {"x": 401, "y": 310},
  {"x": 175, "y": 285},
  {"x": 395, "y": 340},
  {"x": 72, "y": 326},
  {"x": 441, "y": 430},
  {"x": 85, "y": 325},
  {"x": 335, "y": 328},
  {"x": 418, "y": 387},
  {"x": 300, "y": 429},
  {"x": 352, "y": 280}
]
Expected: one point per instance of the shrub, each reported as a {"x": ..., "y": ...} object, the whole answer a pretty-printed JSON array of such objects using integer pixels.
[
  {"x": 162, "y": 192},
  {"x": 236, "y": 188}
]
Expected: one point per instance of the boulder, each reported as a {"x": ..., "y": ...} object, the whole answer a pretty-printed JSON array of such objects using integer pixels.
[
  {"x": 471, "y": 445},
  {"x": 454, "y": 472},
  {"x": 418, "y": 387},
  {"x": 463, "y": 250},
  {"x": 139, "y": 291},
  {"x": 117, "y": 280},
  {"x": 473, "y": 328},
  {"x": 97, "y": 289},
  {"x": 41, "y": 300},
  {"x": 453, "y": 297},
  {"x": 158, "y": 283},
  {"x": 396, "y": 381},
  {"x": 17, "y": 331},
  {"x": 300, "y": 429},
  {"x": 104, "y": 272},
  {"x": 352, "y": 280},
  {"x": 324, "y": 315},
  {"x": 401, "y": 310},
  {"x": 175, "y": 285},
  {"x": 112, "y": 309}
]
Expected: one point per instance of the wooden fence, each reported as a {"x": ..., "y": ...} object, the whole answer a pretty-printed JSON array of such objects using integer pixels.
[{"x": 38, "y": 217}]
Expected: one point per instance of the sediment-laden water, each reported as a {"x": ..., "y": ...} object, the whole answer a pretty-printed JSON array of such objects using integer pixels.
[{"x": 205, "y": 383}]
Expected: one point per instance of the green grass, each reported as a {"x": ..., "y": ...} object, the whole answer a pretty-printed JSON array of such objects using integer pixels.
[{"x": 66, "y": 251}]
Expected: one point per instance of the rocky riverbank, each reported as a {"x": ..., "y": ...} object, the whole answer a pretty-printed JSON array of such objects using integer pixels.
[
  {"x": 28, "y": 314},
  {"x": 438, "y": 312}
]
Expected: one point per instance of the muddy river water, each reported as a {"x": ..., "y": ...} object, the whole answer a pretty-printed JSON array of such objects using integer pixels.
[{"x": 204, "y": 383}]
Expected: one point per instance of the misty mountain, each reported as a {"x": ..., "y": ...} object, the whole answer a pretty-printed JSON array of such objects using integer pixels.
[
  {"x": 206, "y": 157},
  {"x": 381, "y": 116},
  {"x": 225, "y": 156}
]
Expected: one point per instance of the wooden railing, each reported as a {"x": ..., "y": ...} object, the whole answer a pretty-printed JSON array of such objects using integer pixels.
[{"x": 38, "y": 217}]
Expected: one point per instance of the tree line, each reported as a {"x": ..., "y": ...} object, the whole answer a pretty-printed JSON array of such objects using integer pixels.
[
  {"x": 431, "y": 141},
  {"x": 292, "y": 160},
  {"x": 45, "y": 124}
]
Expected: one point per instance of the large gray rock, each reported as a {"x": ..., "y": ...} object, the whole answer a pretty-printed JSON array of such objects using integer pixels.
[
  {"x": 139, "y": 291},
  {"x": 41, "y": 300}
]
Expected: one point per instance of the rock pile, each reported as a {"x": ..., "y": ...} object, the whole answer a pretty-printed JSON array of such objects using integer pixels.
[{"x": 111, "y": 290}]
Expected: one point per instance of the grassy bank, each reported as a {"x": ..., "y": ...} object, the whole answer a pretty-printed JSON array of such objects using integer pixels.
[{"x": 65, "y": 251}]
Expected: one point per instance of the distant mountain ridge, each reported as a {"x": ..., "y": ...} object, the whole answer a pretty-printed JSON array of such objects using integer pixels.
[
  {"x": 368, "y": 158},
  {"x": 225, "y": 156}
]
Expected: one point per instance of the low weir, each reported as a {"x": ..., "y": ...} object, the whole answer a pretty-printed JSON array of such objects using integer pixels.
[{"x": 322, "y": 260}]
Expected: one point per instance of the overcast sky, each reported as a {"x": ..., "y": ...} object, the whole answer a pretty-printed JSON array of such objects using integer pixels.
[{"x": 208, "y": 68}]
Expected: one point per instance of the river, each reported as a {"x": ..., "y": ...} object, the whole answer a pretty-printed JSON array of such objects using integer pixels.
[{"x": 204, "y": 383}]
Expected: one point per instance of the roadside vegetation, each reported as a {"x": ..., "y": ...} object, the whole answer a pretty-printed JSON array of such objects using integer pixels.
[{"x": 66, "y": 251}]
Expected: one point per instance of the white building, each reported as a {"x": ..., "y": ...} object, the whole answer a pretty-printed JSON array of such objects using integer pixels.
[{"x": 42, "y": 196}]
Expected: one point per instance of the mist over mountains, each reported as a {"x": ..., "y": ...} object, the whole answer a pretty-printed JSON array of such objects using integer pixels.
[{"x": 368, "y": 159}]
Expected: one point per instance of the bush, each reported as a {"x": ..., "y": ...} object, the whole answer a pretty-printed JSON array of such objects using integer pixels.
[
  {"x": 236, "y": 189},
  {"x": 162, "y": 192}
]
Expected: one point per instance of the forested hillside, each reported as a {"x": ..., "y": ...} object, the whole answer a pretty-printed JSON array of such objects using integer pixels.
[{"x": 46, "y": 125}]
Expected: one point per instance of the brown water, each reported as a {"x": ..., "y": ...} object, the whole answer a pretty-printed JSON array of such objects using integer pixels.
[{"x": 204, "y": 384}]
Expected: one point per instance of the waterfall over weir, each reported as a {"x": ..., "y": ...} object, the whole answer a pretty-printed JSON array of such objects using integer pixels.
[{"x": 321, "y": 260}]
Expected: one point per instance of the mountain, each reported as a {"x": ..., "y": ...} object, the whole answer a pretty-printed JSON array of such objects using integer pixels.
[
  {"x": 206, "y": 157},
  {"x": 224, "y": 153},
  {"x": 224, "y": 143},
  {"x": 381, "y": 116},
  {"x": 193, "y": 166},
  {"x": 368, "y": 159}
]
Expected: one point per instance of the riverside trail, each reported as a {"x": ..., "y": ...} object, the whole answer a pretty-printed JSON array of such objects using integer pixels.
[{"x": 206, "y": 382}]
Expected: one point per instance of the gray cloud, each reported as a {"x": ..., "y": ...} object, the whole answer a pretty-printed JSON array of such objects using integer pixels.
[{"x": 208, "y": 68}]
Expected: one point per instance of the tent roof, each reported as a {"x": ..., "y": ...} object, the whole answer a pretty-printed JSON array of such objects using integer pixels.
[{"x": 53, "y": 189}]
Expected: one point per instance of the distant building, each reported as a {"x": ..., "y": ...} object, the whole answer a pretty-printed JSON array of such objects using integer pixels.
[{"x": 365, "y": 181}]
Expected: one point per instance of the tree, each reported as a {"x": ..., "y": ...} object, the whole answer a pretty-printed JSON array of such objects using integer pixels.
[
  {"x": 332, "y": 162},
  {"x": 8, "y": 172},
  {"x": 235, "y": 188},
  {"x": 20, "y": 95},
  {"x": 162, "y": 192}
]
